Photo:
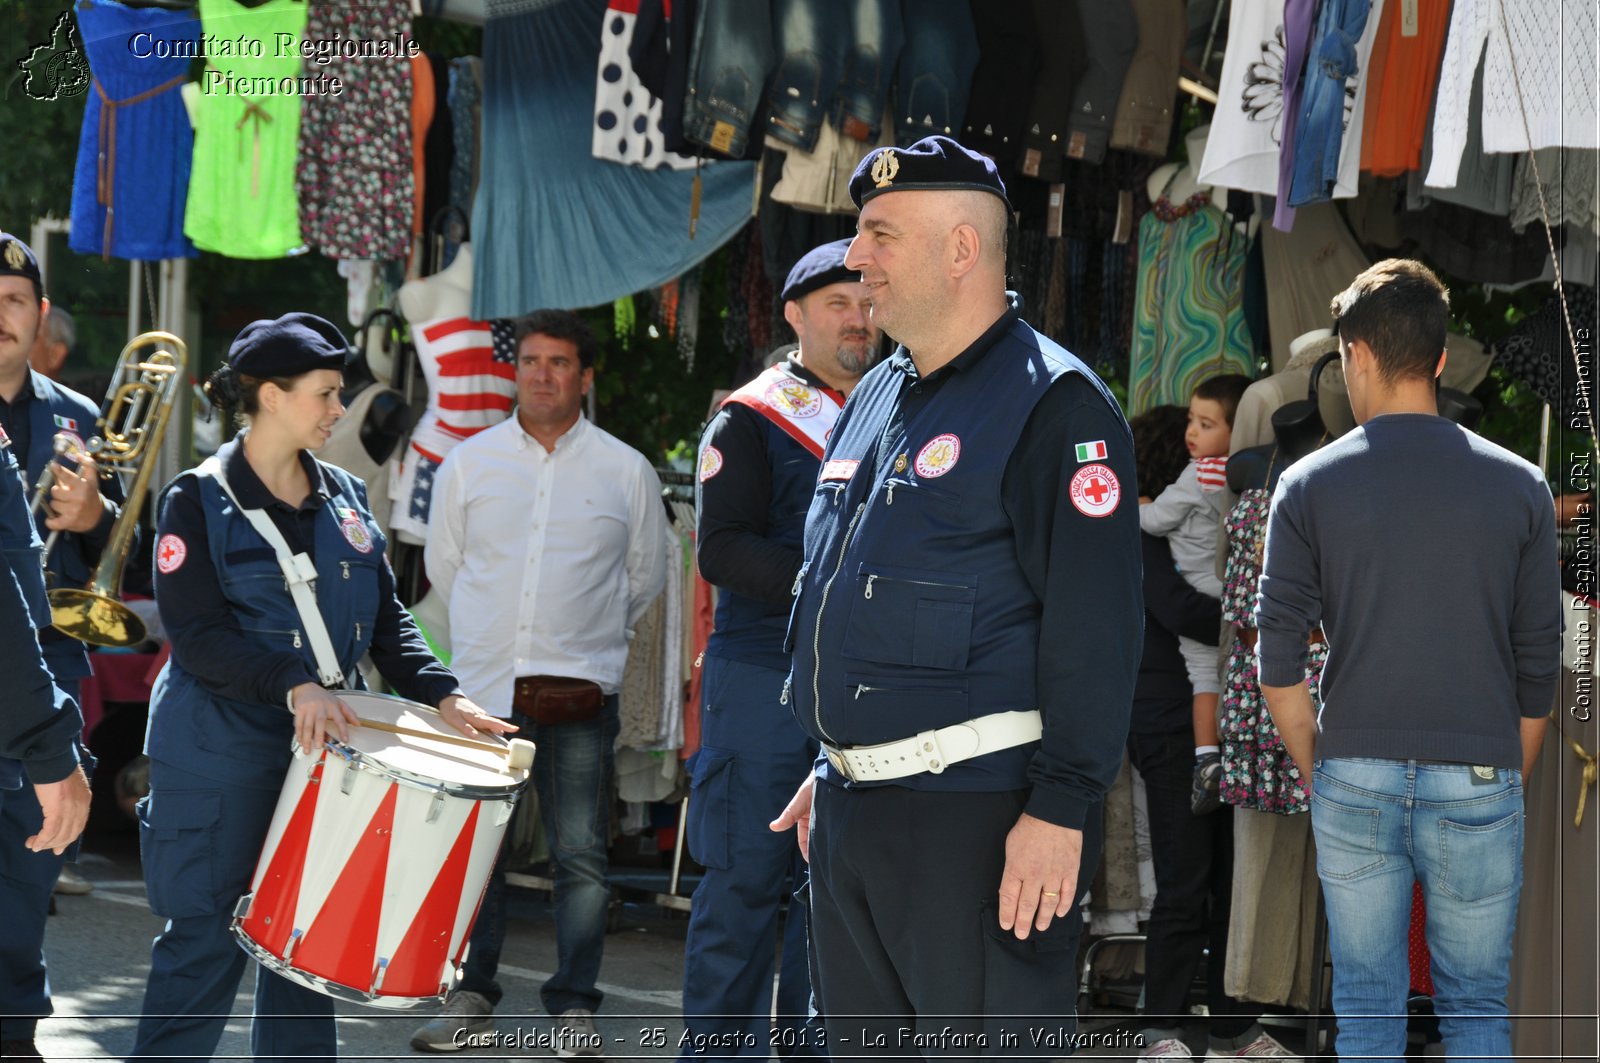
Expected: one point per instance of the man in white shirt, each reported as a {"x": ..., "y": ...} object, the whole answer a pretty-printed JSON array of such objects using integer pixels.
[{"x": 544, "y": 539}]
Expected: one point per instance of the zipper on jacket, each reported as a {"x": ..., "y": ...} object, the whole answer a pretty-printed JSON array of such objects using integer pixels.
[
  {"x": 816, "y": 638},
  {"x": 788, "y": 681},
  {"x": 870, "y": 581},
  {"x": 345, "y": 566},
  {"x": 296, "y": 634},
  {"x": 358, "y": 631},
  {"x": 888, "y": 493}
]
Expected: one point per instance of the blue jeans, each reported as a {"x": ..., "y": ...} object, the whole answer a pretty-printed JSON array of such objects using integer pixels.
[
  {"x": 572, "y": 776},
  {"x": 1379, "y": 825},
  {"x": 935, "y": 74},
  {"x": 729, "y": 63}
]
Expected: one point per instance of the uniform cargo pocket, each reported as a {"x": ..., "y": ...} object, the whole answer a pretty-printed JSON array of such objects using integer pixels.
[
  {"x": 177, "y": 845},
  {"x": 911, "y": 617},
  {"x": 710, "y": 815}
]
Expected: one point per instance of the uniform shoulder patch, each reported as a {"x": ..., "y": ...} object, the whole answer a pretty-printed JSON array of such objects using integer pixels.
[
  {"x": 938, "y": 455},
  {"x": 356, "y": 534},
  {"x": 1095, "y": 491},
  {"x": 710, "y": 463},
  {"x": 170, "y": 554}
]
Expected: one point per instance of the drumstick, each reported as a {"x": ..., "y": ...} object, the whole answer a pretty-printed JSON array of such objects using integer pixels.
[{"x": 518, "y": 752}]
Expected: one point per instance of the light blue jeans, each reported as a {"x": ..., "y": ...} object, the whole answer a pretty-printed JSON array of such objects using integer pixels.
[{"x": 1379, "y": 825}]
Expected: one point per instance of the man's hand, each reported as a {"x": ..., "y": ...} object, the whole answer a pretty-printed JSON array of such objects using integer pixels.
[
  {"x": 75, "y": 504},
  {"x": 797, "y": 814},
  {"x": 316, "y": 713},
  {"x": 1041, "y": 874},
  {"x": 66, "y": 810},
  {"x": 461, "y": 713}
]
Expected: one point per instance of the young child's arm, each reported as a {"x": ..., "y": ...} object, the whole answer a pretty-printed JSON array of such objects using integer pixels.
[{"x": 1171, "y": 506}]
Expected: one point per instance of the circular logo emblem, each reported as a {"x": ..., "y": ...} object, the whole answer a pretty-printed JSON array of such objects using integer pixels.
[
  {"x": 710, "y": 463},
  {"x": 1095, "y": 491},
  {"x": 794, "y": 399},
  {"x": 170, "y": 552},
  {"x": 938, "y": 455},
  {"x": 356, "y": 534}
]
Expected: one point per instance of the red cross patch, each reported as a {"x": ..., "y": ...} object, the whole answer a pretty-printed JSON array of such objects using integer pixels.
[
  {"x": 1094, "y": 491},
  {"x": 170, "y": 552}
]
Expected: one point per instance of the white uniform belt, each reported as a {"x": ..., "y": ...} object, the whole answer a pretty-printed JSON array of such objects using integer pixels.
[{"x": 933, "y": 751}]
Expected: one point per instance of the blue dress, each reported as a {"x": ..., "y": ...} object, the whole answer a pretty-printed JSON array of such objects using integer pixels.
[{"x": 132, "y": 177}]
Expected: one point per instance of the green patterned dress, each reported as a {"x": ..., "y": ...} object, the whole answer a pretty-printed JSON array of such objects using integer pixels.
[{"x": 1188, "y": 317}]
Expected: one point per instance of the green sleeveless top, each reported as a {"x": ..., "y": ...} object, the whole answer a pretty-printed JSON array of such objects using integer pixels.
[{"x": 247, "y": 130}]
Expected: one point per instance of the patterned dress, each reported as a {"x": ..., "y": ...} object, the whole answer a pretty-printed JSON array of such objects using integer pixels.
[
  {"x": 1188, "y": 315},
  {"x": 355, "y": 176},
  {"x": 1257, "y": 772}
]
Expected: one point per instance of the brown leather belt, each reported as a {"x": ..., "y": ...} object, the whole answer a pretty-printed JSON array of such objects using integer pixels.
[{"x": 551, "y": 699}]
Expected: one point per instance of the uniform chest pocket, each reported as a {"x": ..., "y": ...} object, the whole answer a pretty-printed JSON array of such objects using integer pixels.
[{"x": 910, "y": 616}]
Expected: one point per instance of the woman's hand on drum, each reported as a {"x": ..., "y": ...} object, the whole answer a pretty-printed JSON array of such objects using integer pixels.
[
  {"x": 317, "y": 712},
  {"x": 459, "y": 712}
]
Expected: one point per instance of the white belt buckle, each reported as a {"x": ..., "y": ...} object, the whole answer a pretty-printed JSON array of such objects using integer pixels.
[{"x": 840, "y": 764}]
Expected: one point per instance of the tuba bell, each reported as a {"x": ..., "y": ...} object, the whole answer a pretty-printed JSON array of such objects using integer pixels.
[{"x": 144, "y": 388}]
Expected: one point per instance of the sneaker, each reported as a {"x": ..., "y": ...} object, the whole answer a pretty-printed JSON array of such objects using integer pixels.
[
  {"x": 1167, "y": 1048},
  {"x": 463, "y": 1015},
  {"x": 72, "y": 883},
  {"x": 576, "y": 1035},
  {"x": 1263, "y": 1047},
  {"x": 1205, "y": 794}
]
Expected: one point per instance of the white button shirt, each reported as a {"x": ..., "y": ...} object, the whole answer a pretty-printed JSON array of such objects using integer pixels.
[{"x": 546, "y": 559}]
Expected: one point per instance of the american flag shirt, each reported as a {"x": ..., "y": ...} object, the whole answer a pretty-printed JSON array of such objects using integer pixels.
[{"x": 470, "y": 368}]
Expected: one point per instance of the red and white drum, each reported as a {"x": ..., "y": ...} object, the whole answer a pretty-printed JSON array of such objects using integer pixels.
[{"x": 377, "y": 859}]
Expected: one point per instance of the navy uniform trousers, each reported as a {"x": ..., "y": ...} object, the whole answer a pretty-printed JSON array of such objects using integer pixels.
[
  {"x": 195, "y": 871},
  {"x": 26, "y": 880},
  {"x": 752, "y": 757}
]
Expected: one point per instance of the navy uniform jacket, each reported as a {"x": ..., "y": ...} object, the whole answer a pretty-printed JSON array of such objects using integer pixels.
[
  {"x": 973, "y": 548},
  {"x": 51, "y": 409},
  {"x": 752, "y": 508},
  {"x": 238, "y": 648},
  {"x": 39, "y": 724}
]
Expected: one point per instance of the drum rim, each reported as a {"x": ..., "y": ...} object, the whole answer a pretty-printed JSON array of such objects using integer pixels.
[
  {"x": 338, "y": 990},
  {"x": 356, "y": 760}
]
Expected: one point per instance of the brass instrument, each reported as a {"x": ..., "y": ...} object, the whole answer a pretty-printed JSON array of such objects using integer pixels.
[{"x": 144, "y": 389}]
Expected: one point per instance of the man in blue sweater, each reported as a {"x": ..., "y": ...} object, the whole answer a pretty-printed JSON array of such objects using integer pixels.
[{"x": 1428, "y": 556}]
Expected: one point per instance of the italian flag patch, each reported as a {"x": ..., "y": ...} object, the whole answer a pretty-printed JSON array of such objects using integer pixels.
[{"x": 1095, "y": 451}]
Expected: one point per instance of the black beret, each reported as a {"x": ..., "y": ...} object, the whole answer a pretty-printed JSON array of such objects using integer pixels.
[
  {"x": 818, "y": 268},
  {"x": 17, "y": 260},
  {"x": 293, "y": 344},
  {"x": 931, "y": 164}
]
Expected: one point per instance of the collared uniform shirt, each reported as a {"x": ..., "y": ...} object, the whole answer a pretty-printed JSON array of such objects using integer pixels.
[{"x": 546, "y": 559}]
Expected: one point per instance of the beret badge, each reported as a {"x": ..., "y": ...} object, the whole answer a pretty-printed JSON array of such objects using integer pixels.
[{"x": 884, "y": 168}]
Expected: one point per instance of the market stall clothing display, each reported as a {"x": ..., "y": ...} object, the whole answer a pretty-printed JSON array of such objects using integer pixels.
[
  {"x": 424, "y": 101},
  {"x": 1403, "y": 73},
  {"x": 1247, "y": 128},
  {"x": 1303, "y": 266},
  {"x": 555, "y": 226},
  {"x": 242, "y": 200},
  {"x": 819, "y": 180},
  {"x": 1062, "y": 60},
  {"x": 1008, "y": 62},
  {"x": 935, "y": 73},
  {"x": 438, "y": 150},
  {"x": 1539, "y": 86},
  {"x": 1483, "y": 182},
  {"x": 1143, "y": 119},
  {"x": 355, "y": 179},
  {"x": 627, "y": 117},
  {"x": 1299, "y": 22},
  {"x": 1568, "y": 177},
  {"x": 1327, "y": 143},
  {"x": 835, "y": 60},
  {"x": 1188, "y": 315},
  {"x": 731, "y": 56},
  {"x": 1112, "y": 36},
  {"x": 1272, "y": 956},
  {"x": 127, "y": 200},
  {"x": 1538, "y": 352},
  {"x": 466, "y": 118}
]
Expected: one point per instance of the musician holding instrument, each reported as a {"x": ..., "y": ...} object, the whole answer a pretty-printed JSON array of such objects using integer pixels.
[
  {"x": 35, "y": 411},
  {"x": 249, "y": 676}
]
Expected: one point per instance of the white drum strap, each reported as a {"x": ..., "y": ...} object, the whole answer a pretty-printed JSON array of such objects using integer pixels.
[{"x": 299, "y": 573}]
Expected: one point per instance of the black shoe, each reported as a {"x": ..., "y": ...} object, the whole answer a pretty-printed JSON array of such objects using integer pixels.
[
  {"x": 20, "y": 1050},
  {"x": 1205, "y": 794}
]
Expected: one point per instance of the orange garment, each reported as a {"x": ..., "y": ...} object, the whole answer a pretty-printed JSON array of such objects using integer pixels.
[
  {"x": 423, "y": 96},
  {"x": 704, "y": 619},
  {"x": 1404, "y": 71}
]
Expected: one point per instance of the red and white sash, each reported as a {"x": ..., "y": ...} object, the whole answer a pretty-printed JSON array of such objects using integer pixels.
[{"x": 805, "y": 412}]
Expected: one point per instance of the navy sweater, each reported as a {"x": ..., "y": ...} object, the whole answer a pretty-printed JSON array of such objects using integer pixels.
[{"x": 1428, "y": 555}]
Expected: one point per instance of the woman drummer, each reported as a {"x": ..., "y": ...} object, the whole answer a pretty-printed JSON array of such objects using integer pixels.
[{"x": 242, "y": 682}]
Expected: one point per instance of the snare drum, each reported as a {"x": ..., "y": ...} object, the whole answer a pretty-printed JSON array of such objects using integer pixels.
[{"x": 377, "y": 859}]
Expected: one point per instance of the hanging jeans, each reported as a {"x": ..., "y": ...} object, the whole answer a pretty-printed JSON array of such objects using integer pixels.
[
  {"x": 729, "y": 62},
  {"x": 936, "y": 65}
]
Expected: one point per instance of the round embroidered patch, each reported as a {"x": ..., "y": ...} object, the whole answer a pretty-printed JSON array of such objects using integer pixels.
[
  {"x": 1095, "y": 491},
  {"x": 938, "y": 455},
  {"x": 710, "y": 463},
  {"x": 356, "y": 534},
  {"x": 794, "y": 399},
  {"x": 170, "y": 552}
]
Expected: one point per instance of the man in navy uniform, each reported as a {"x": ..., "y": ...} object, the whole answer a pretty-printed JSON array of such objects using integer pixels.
[
  {"x": 44, "y": 794},
  {"x": 33, "y": 410},
  {"x": 758, "y": 468},
  {"x": 966, "y": 638}
]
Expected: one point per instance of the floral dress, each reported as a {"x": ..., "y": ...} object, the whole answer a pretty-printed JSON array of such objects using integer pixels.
[{"x": 1257, "y": 772}]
